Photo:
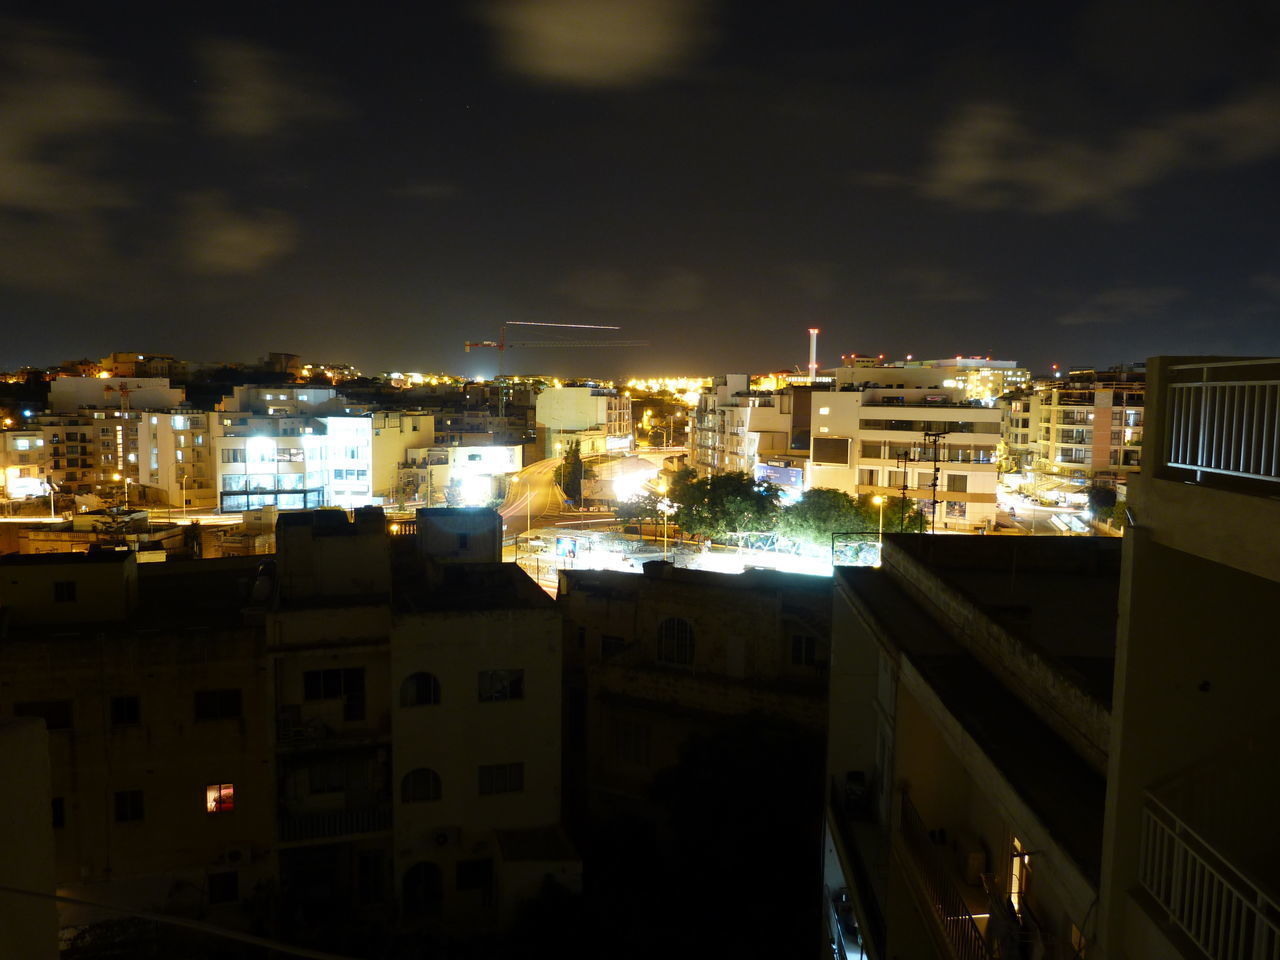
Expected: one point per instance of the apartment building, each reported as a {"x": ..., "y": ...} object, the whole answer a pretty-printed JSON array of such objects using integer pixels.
[
  {"x": 23, "y": 463},
  {"x": 1190, "y": 846},
  {"x": 1064, "y": 434},
  {"x": 417, "y": 684},
  {"x": 737, "y": 427},
  {"x": 977, "y": 378},
  {"x": 598, "y": 418},
  {"x": 655, "y": 660},
  {"x": 923, "y": 444},
  {"x": 969, "y": 736},
  {"x": 149, "y": 682}
]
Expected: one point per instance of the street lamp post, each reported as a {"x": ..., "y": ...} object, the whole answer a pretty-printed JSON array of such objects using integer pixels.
[{"x": 184, "y": 496}]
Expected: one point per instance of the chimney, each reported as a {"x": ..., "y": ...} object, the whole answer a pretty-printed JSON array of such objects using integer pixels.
[{"x": 813, "y": 352}]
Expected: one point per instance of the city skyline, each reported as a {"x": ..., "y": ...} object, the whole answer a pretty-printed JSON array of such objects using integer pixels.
[{"x": 1082, "y": 187}]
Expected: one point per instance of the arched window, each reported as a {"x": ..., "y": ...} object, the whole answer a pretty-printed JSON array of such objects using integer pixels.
[
  {"x": 420, "y": 690},
  {"x": 420, "y": 786},
  {"x": 675, "y": 642}
]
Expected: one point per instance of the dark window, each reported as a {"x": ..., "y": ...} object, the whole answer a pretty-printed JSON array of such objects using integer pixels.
[
  {"x": 420, "y": 786},
  {"x": 217, "y": 704},
  {"x": 55, "y": 713},
  {"x": 675, "y": 642},
  {"x": 611, "y": 646},
  {"x": 463, "y": 540},
  {"x": 420, "y": 690},
  {"x": 126, "y": 711},
  {"x": 128, "y": 805},
  {"x": 476, "y": 875},
  {"x": 501, "y": 778},
  {"x": 345, "y": 684},
  {"x": 64, "y": 591},
  {"x": 501, "y": 685},
  {"x": 327, "y": 777},
  {"x": 631, "y": 742},
  {"x": 59, "y": 813},
  {"x": 803, "y": 651},
  {"x": 224, "y": 887},
  {"x": 958, "y": 483},
  {"x": 371, "y": 874}
]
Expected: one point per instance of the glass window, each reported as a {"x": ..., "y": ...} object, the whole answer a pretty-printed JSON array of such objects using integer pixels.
[
  {"x": 420, "y": 786},
  {"x": 262, "y": 481},
  {"x": 126, "y": 711},
  {"x": 675, "y": 642},
  {"x": 290, "y": 501},
  {"x": 234, "y": 504},
  {"x": 233, "y": 455},
  {"x": 289, "y": 481},
  {"x": 55, "y": 713},
  {"x": 128, "y": 805},
  {"x": 220, "y": 797},
  {"x": 420, "y": 690},
  {"x": 501, "y": 778},
  {"x": 501, "y": 685},
  {"x": 233, "y": 481},
  {"x": 217, "y": 704}
]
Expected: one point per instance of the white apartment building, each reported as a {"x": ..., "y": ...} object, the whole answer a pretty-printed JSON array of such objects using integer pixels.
[
  {"x": 736, "y": 427},
  {"x": 926, "y": 442},
  {"x": 977, "y": 378},
  {"x": 23, "y": 463},
  {"x": 597, "y": 417},
  {"x": 73, "y": 394}
]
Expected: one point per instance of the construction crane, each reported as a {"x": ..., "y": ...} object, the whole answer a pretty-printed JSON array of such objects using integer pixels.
[
  {"x": 124, "y": 392},
  {"x": 502, "y": 345}
]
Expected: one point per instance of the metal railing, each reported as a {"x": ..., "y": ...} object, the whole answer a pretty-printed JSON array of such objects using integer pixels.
[
  {"x": 334, "y": 823},
  {"x": 1227, "y": 427},
  {"x": 1227, "y": 916},
  {"x": 948, "y": 906}
]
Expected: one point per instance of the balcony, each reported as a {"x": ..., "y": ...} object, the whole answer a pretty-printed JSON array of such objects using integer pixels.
[
  {"x": 1224, "y": 421},
  {"x": 1224, "y": 913},
  {"x": 332, "y": 824}
]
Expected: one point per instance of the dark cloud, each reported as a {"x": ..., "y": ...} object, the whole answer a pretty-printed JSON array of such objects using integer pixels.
[
  {"x": 988, "y": 157},
  {"x": 676, "y": 290},
  {"x": 595, "y": 43},
  {"x": 938, "y": 285},
  {"x": 1123, "y": 305},
  {"x": 217, "y": 239},
  {"x": 428, "y": 190},
  {"x": 252, "y": 91}
]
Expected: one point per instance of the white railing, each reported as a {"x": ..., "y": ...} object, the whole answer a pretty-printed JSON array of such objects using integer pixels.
[
  {"x": 1227, "y": 916},
  {"x": 1222, "y": 426}
]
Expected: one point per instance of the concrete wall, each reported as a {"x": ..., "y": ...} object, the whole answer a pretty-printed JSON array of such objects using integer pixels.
[{"x": 28, "y": 925}]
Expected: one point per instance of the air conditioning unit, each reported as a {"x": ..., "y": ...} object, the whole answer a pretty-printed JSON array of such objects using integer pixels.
[{"x": 446, "y": 837}]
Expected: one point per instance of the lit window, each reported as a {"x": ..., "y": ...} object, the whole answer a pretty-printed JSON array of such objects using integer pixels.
[
  {"x": 220, "y": 797},
  {"x": 823, "y": 411}
]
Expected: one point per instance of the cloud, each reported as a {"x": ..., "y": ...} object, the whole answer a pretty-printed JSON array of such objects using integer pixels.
[
  {"x": 428, "y": 190},
  {"x": 253, "y": 92},
  {"x": 595, "y": 43},
  {"x": 56, "y": 105},
  {"x": 1123, "y": 305},
  {"x": 217, "y": 239},
  {"x": 675, "y": 291},
  {"x": 815, "y": 279},
  {"x": 987, "y": 157},
  {"x": 938, "y": 285}
]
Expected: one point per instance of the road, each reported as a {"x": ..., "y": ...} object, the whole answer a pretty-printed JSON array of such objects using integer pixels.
[{"x": 533, "y": 499}]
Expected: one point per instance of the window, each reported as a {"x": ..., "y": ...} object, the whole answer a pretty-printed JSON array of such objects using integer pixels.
[
  {"x": 59, "y": 813},
  {"x": 803, "y": 650},
  {"x": 56, "y": 714},
  {"x": 220, "y": 797},
  {"x": 224, "y": 887},
  {"x": 327, "y": 777},
  {"x": 126, "y": 711},
  {"x": 958, "y": 482},
  {"x": 501, "y": 685},
  {"x": 956, "y": 509},
  {"x": 344, "y": 683},
  {"x": 233, "y": 455},
  {"x": 420, "y": 690},
  {"x": 128, "y": 805},
  {"x": 463, "y": 540},
  {"x": 675, "y": 642},
  {"x": 233, "y": 481},
  {"x": 217, "y": 704},
  {"x": 420, "y": 786},
  {"x": 501, "y": 778},
  {"x": 64, "y": 591}
]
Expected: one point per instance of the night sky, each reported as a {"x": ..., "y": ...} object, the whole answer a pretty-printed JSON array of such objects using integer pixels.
[{"x": 1071, "y": 183}]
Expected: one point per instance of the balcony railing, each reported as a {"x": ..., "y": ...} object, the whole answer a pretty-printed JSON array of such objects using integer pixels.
[
  {"x": 948, "y": 905},
  {"x": 334, "y": 823},
  {"x": 1226, "y": 426},
  {"x": 1227, "y": 916}
]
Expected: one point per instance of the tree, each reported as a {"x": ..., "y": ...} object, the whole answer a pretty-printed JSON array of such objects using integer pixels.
[
  {"x": 724, "y": 505},
  {"x": 572, "y": 471},
  {"x": 822, "y": 512},
  {"x": 896, "y": 518},
  {"x": 1101, "y": 499},
  {"x": 644, "y": 507}
]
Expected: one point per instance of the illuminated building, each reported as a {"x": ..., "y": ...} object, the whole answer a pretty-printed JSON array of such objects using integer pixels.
[
  {"x": 1065, "y": 433},
  {"x": 599, "y": 418},
  {"x": 129, "y": 364}
]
